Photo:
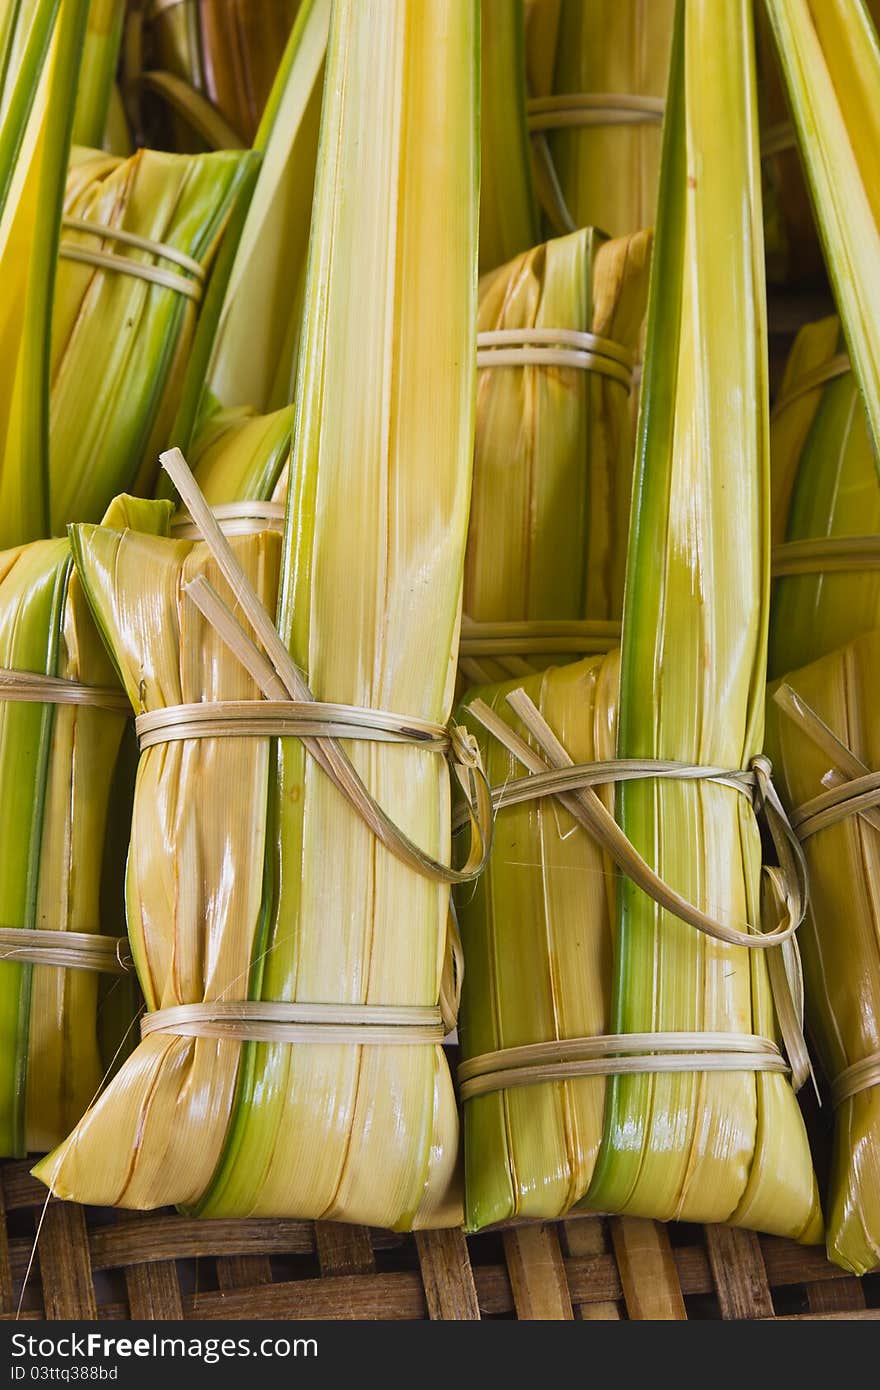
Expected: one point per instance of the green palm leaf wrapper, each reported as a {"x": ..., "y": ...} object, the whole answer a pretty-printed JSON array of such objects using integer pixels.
[
  {"x": 371, "y": 577},
  {"x": 536, "y": 932},
  {"x": 701, "y": 1146},
  {"x": 237, "y": 456},
  {"x": 56, "y": 780},
  {"x": 840, "y": 938},
  {"x": 597, "y": 164},
  {"x": 825, "y": 486},
  {"x": 122, "y": 344},
  {"x": 89, "y": 403},
  {"x": 554, "y": 443},
  {"x": 830, "y": 55}
]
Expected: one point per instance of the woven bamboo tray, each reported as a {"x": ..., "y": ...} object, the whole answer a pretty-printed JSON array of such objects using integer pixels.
[{"x": 92, "y": 1263}]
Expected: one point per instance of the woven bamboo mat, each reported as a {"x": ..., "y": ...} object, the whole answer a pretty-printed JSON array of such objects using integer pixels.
[{"x": 92, "y": 1263}]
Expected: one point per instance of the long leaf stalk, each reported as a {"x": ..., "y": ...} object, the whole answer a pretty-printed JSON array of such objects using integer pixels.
[
  {"x": 728, "y": 1146},
  {"x": 103, "y": 39},
  {"x": 254, "y": 356},
  {"x": 509, "y": 222}
]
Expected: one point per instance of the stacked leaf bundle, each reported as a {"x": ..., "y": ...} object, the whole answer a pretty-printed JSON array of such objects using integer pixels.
[
  {"x": 554, "y": 445},
  {"x": 294, "y": 901},
  {"x": 823, "y": 736},
  {"x": 111, "y": 413},
  {"x": 536, "y": 931},
  {"x": 199, "y": 72},
  {"x": 57, "y": 762},
  {"x": 694, "y": 1144},
  {"x": 597, "y": 73},
  {"x": 826, "y": 504},
  {"x": 140, "y": 237}
]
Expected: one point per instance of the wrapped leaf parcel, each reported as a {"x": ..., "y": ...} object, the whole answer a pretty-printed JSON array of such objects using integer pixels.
[
  {"x": 822, "y": 733},
  {"x": 536, "y": 931},
  {"x": 719, "y": 1139},
  {"x": 140, "y": 237},
  {"x": 294, "y": 903},
  {"x": 826, "y": 504},
  {"x": 558, "y": 332},
  {"x": 62, "y": 715}
]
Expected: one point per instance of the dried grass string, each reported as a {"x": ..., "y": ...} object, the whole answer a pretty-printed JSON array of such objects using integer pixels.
[
  {"x": 567, "y": 110},
  {"x": 235, "y": 518},
  {"x": 826, "y": 555},
  {"x": 125, "y": 265},
  {"x": 555, "y": 347}
]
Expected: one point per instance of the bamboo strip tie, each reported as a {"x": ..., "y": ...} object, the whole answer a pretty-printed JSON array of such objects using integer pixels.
[
  {"x": 125, "y": 265},
  {"x": 582, "y": 637},
  {"x": 555, "y": 347},
  {"x": 246, "y": 518},
  {"x": 69, "y": 950},
  {"x": 826, "y": 555},
  {"x": 592, "y": 109},
  {"x": 553, "y": 767},
  {"x": 852, "y": 1081},
  {"x": 555, "y": 773},
  {"x": 33, "y": 687},
  {"x": 855, "y": 792},
  {"x": 278, "y": 677},
  {"x": 286, "y": 719},
  {"x": 268, "y": 1021},
  {"x": 616, "y": 1054},
  {"x": 579, "y": 110}
]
